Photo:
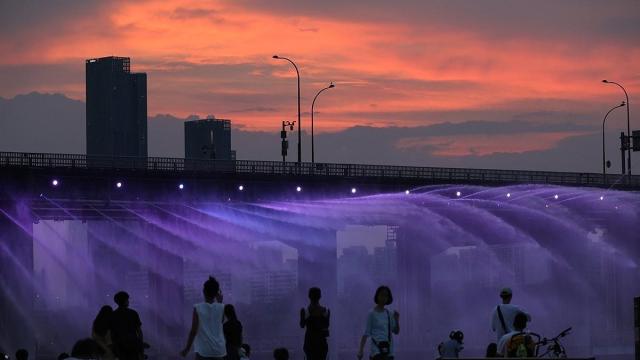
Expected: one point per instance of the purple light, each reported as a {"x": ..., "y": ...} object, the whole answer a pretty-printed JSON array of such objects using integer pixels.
[
  {"x": 555, "y": 196},
  {"x": 298, "y": 189},
  {"x": 181, "y": 186},
  {"x": 118, "y": 184},
  {"x": 407, "y": 192},
  {"x": 458, "y": 193},
  {"x": 508, "y": 195},
  {"x": 601, "y": 197},
  {"x": 54, "y": 182},
  {"x": 241, "y": 187},
  {"x": 354, "y": 190}
]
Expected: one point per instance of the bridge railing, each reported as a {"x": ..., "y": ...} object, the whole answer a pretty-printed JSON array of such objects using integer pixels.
[{"x": 41, "y": 160}]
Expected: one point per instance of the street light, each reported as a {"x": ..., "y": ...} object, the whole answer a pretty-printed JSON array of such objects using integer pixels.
[
  {"x": 312, "y": 104},
  {"x": 299, "y": 131},
  {"x": 628, "y": 124},
  {"x": 604, "y": 171}
]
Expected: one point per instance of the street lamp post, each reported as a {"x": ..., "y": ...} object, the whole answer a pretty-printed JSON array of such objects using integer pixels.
[
  {"x": 604, "y": 169},
  {"x": 299, "y": 131},
  {"x": 628, "y": 125},
  {"x": 312, "y": 104}
]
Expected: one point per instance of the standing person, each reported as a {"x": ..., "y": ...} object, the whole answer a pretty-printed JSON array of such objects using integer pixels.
[
  {"x": 232, "y": 329},
  {"x": 380, "y": 324},
  {"x": 504, "y": 314},
  {"x": 101, "y": 331},
  {"x": 126, "y": 330},
  {"x": 316, "y": 320},
  {"x": 206, "y": 335}
]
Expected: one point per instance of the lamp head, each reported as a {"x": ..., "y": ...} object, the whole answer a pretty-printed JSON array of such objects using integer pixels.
[
  {"x": 623, "y": 104},
  {"x": 276, "y": 57},
  {"x": 331, "y": 85},
  {"x": 605, "y": 81}
]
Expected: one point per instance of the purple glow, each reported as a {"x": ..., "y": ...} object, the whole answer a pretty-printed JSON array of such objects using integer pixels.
[
  {"x": 576, "y": 253},
  {"x": 54, "y": 182},
  {"x": 353, "y": 190},
  {"x": 181, "y": 186},
  {"x": 119, "y": 184},
  {"x": 298, "y": 189},
  {"x": 241, "y": 187}
]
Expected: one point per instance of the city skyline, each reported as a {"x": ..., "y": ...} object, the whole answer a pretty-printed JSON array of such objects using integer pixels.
[{"x": 420, "y": 64}]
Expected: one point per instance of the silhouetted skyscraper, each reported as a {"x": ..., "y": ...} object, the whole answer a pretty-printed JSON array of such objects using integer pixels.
[
  {"x": 116, "y": 108},
  {"x": 208, "y": 139}
]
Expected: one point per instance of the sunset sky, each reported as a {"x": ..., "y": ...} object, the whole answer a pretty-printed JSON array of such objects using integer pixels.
[{"x": 395, "y": 63}]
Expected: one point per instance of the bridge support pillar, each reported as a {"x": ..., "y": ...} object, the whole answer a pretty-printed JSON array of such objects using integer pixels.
[{"x": 16, "y": 280}]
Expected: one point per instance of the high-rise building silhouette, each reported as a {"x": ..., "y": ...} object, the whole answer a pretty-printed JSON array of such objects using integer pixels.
[
  {"x": 116, "y": 108},
  {"x": 208, "y": 139}
]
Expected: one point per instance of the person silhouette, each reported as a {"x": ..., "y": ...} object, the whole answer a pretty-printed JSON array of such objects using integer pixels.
[
  {"x": 315, "y": 318},
  {"x": 126, "y": 329},
  {"x": 281, "y": 354},
  {"x": 504, "y": 314},
  {"x": 101, "y": 331},
  {"x": 232, "y": 329},
  {"x": 207, "y": 334},
  {"x": 380, "y": 325}
]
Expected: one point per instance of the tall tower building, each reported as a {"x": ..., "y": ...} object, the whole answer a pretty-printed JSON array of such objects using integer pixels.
[{"x": 116, "y": 108}]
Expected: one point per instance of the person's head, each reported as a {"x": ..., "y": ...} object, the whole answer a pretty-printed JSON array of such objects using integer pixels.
[
  {"x": 492, "y": 350},
  {"x": 121, "y": 298},
  {"x": 520, "y": 321},
  {"x": 22, "y": 354},
  {"x": 230, "y": 312},
  {"x": 103, "y": 320},
  {"x": 63, "y": 356},
  {"x": 315, "y": 294},
  {"x": 87, "y": 349},
  {"x": 247, "y": 349},
  {"x": 505, "y": 295},
  {"x": 281, "y": 354},
  {"x": 211, "y": 288},
  {"x": 456, "y": 335},
  {"x": 383, "y": 296}
]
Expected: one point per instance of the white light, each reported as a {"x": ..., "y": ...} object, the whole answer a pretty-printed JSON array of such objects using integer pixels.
[
  {"x": 298, "y": 189},
  {"x": 118, "y": 184},
  {"x": 407, "y": 192},
  {"x": 354, "y": 190},
  {"x": 458, "y": 193},
  {"x": 181, "y": 186},
  {"x": 241, "y": 187},
  {"x": 555, "y": 196},
  {"x": 54, "y": 182},
  {"x": 508, "y": 195},
  {"x": 601, "y": 197},
  {"x": 546, "y": 205}
]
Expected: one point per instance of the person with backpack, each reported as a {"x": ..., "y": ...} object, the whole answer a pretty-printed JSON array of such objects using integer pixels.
[
  {"x": 518, "y": 343},
  {"x": 452, "y": 347},
  {"x": 504, "y": 314},
  {"x": 315, "y": 318},
  {"x": 381, "y": 323}
]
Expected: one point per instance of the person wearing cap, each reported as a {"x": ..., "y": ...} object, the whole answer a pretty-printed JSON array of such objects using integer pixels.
[{"x": 504, "y": 314}]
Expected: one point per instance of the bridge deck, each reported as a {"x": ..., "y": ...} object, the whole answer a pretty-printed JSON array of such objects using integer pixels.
[{"x": 252, "y": 168}]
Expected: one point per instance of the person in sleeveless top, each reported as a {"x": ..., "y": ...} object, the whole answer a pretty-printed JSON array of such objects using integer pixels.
[
  {"x": 206, "y": 333},
  {"x": 315, "y": 318}
]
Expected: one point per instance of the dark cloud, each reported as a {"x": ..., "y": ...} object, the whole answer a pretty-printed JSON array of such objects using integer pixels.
[
  {"x": 581, "y": 20},
  {"x": 54, "y": 123},
  {"x": 188, "y": 13}
]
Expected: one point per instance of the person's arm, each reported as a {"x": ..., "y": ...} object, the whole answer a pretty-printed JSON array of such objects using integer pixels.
[
  {"x": 363, "y": 341},
  {"x": 367, "y": 333},
  {"x": 192, "y": 334},
  {"x": 396, "y": 327},
  {"x": 303, "y": 318}
]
